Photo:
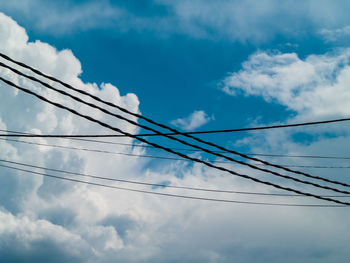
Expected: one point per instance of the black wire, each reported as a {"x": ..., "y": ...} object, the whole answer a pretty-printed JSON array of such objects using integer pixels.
[
  {"x": 166, "y": 194},
  {"x": 104, "y": 151},
  {"x": 161, "y": 185},
  {"x": 175, "y": 131},
  {"x": 161, "y": 125},
  {"x": 214, "y": 131},
  {"x": 155, "y": 156},
  {"x": 72, "y": 137},
  {"x": 300, "y": 156},
  {"x": 95, "y": 150},
  {"x": 190, "y": 136},
  {"x": 177, "y": 153},
  {"x": 158, "y": 185},
  {"x": 121, "y": 153}
]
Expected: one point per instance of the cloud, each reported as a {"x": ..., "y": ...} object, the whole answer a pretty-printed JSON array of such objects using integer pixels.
[
  {"x": 41, "y": 206},
  {"x": 313, "y": 88},
  {"x": 65, "y": 17},
  {"x": 333, "y": 35},
  {"x": 316, "y": 86},
  {"x": 200, "y": 19},
  {"x": 45, "y": 218},
  {"x": 24, "y": 240},
  {"x": 193, "y": 121}
]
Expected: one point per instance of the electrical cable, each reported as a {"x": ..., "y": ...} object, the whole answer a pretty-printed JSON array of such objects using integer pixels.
[
  {"x": 174, "y": 132},
  {"x": 159, "y": 185},
  {"x": 152, "y": 184},
  {"x": 117, "y": 153},
  {"x": 184, "y": 142},
  {"x": 167, "y": 194},
  {"x": 71, "y": 137},
  {"x": 177, "y": 153},
  {"x": 155, "y": 156},
  {"x": 161, "y": 125},
  {"x": 95, "y": 150}
]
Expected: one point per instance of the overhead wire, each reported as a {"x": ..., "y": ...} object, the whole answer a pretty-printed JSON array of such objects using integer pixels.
[
  {"x": 161, "y": 125},
  {"x": 190, "y": 136},
  {"x": 72, "y": 137},
  {"x": 160, "y": 185},
  {"x": 155, "y": 156},
  {"x": 175, "y": 132},
  {"x": 214, "y": 131},
  {"x": 153, "y": 184},
  {"x": 95, "y": 150},
  {"x": 178, "y": 153},
  {"x": 167, "y": 194}
]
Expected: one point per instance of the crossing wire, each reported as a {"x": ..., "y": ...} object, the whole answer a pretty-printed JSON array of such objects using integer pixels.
[
  {"x": 161, "y": 125},
  {"x": 184, "y": 142},
  {"x": 177, "y": 153},
  {"x": 158, "y": 124}
]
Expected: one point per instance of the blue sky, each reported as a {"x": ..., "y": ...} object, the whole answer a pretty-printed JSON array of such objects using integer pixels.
[
  {"x": 196, "y": 65},
  {"x": 172, "y": 62},
  {"x": 157, "y": 64}
]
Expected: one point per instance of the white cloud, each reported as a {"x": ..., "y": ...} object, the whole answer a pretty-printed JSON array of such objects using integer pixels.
[
  {"x": 225, "y": 19},
  {"x": 39, "y": 198},
  {"x": 30, "y": 234},
  {"x": 193, "y": 121},
  {"x": 44, "y": 217},
  {"x": 316, "y": 86},
  {"x": 333, "y": 35},
  {"x": 64, "y": 17}
]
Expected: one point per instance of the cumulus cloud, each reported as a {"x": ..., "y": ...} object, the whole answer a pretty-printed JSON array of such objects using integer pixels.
[
  {"x": 45, "y": 205},
  {"x": 38, "y": 240},
  {"x": 313, "y": 88},
  {"x": 316, "y": 86},
  {"x": 193, "y": 121},
  {"x": 79, "y": 222}
]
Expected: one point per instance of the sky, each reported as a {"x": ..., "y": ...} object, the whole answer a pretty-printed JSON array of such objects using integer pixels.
[{"x": 193, "y": 65}]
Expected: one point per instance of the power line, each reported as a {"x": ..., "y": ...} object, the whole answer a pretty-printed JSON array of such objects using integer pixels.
[
  {"x": 159, "y": 185},
  {"x": 77, "y": 138},
  {"x": 124, "y": 154},
  {"x": 167, "y": 194},
  {"x": 95, "y": 150},
  {"x": 181, "y": 141},
  {"x": 155, "y": 156},
  {"x": 180, "y": 154},
  {"x": 213, "y": 131},
  {"x": 152, "y": 184},
  {"x": 72, "y": 137},
  {"x": 301, "y": 156},
  {"x": 169, "y": 128},
  {"x": 161, "y": 125}
]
